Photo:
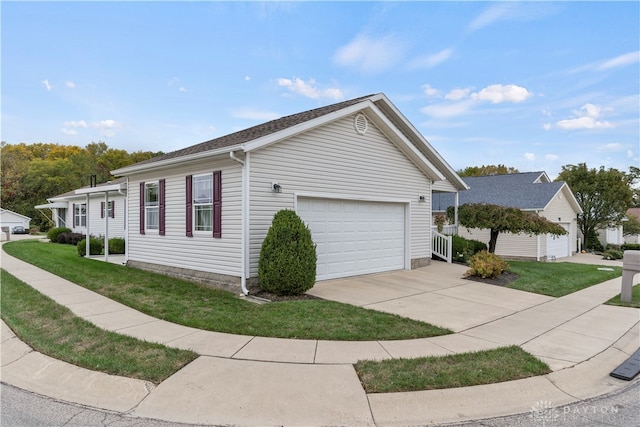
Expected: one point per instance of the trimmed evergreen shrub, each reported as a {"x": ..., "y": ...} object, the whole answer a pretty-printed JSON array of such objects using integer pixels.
[
  {"x": 287, "y": 264},
  {"x": 630, "y": 247},
  {"x": 612, "y": 254},
  {"x": 463, "y": 249},
  {"x": 95, "y": 246},
  {"x": 116, "y": 245},
  {"x": 52, "y": 234},
  {"x": 486, "y": 265}
]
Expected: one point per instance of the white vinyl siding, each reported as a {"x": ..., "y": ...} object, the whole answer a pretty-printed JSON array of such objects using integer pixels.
[
  {"x": 560, "y": 211},
  {"x": 201, "y": 252},
  {"x": 335, "y": 160}
]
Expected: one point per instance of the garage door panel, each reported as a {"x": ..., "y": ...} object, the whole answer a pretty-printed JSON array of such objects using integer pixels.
[{"x": 355, "y": 237}]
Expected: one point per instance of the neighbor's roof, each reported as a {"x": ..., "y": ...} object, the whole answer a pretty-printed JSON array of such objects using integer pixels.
[
  {"x": 386, "y": 116},
  {"x": 8, "y": 212},
  {"x": 526, "y": 191}
]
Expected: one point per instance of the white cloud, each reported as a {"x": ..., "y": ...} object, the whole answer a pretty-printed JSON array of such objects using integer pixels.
[
  {"x": 46, "y": 84},
  {"x": 587, "y": 119},
  {"x": 107, "y": 127},
  {"x": 446, "y": 110},
  {"x": 502, "y": 93},
  {"x": 182, "y": 89},
  {"x": 431, "y": 61},
  {"x": 431, "y": 92},
  {"x": 621, "y": 61},
  {"x": 493, "y": 14},
  {"x": 457, "y": 94},
  {"x": 70, "y": 85},
  {"x": 612, "y": 146},
  {"x": 247, "y": 78},
  {"x": 370, "y": 55},
  {"x": 551, "y": 157},
  {"x": 547, "y": 126},
  {"x": 251, "y": 114},
  {"x": 76, "y": 124},
  {"x": 529, "y": 156},
  {"x": 310, "y": 89}
]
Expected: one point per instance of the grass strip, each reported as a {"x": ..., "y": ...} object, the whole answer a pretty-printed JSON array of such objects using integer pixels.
[
  {"x": 451, "y": 371},
  {"x": 557, "y": 279},
  {"x": 54, "y": 330},
  {"x": 635, "y": 298},
  {"x": 191, "y": 304}
]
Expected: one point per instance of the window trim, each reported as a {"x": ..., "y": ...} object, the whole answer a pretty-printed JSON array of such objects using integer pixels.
[
  {"x": 216, "y": 205},
  {"x": 79, "y": 216}
]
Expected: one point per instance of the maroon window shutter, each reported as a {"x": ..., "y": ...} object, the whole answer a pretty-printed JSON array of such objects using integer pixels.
[
  {"x": 101, "y": 209},
  {"x": 142, "y": 207},
  {"x": 162, "y": 206},
  {"x": 74, "y": 215},
  {"x": 113, "y": 208},
  {"x": 217, "y": 204},
  {"x": 189, "y": 207}
]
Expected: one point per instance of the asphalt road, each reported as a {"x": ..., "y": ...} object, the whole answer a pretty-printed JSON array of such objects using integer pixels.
[{"x": 21, "y": 408}]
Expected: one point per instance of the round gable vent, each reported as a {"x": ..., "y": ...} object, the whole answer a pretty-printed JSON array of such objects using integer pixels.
[{"x": 361, "y": 124}]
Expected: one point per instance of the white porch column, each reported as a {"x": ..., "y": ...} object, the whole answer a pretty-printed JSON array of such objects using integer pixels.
[
  {"x": 106, "y": 226},
  {"x": 88, "y": 238}
]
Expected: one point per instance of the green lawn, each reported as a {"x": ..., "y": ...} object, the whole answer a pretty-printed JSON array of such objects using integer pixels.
[
  {"x": 191, "y": 304},
  {"x": 53, "y": 330},
  {"x": 457, "y": 370},
  {"x": 557, "y": 279},
  {"x": 635, "y": 298}
]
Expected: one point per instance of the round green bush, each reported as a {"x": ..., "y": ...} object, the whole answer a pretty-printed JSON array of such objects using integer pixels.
[
  {"x": 52, "y": 234},
  {"x": 95, "y": 247},
  {"x": 287, "y": 264},
  {"x": 116, "y": 245}
]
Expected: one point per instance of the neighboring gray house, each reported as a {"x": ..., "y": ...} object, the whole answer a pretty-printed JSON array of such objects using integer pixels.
[
  {"x": 83, "y": 210},
  {"x": 357, "y": 172},
  {"x": 530, "y": 191}
]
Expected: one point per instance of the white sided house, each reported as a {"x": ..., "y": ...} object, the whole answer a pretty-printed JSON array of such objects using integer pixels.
[
  {"x": 10, "y": 219},
  {"x": 83, "y": 210},
  {"x": 357, "y": 172},
  {"x": 532, "y": 192}
]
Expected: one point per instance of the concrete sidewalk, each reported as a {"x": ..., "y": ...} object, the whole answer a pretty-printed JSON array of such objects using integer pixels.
[{"x": 244, "y": 380}]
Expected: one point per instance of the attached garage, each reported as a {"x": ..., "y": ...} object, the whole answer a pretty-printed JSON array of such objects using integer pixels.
[
  {"x": 355, "y": 237},
  {"x": 558, "y": 246}
]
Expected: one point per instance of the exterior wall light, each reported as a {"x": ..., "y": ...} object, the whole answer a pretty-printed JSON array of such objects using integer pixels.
[
  {"x": 422, "y": 199},
  {"x": 276, "y": 187}
]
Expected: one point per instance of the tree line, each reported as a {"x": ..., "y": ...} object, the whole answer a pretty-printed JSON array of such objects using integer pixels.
[{"x": 31, "y": 173}]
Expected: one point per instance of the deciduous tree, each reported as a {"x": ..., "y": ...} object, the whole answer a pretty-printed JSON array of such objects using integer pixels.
[
  {"x": 486, "y": 170},
  {"x": 499, "y": 219},
  {"x": 603, "y": 194}
]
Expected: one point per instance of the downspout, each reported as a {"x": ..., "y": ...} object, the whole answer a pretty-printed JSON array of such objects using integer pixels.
[
  {"x": 244, "y": 221},
  {"x": 88, "y": 237},
  {"x": 106, "y": 226}
]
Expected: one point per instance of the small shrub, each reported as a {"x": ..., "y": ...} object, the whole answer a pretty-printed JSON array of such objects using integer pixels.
[
  {"x": 463, "y": 249},
  {"x": 63, "y": 237},
  {"x": 95, "y": 247},
  {"x": 52, "y": 234},
  {"x": 630, "y": 247},
  {"x": 593, "y": 244},
  {"x": 612, "y": 254},
  {"x": 287, "y": 264},
  {"x": 486, "y": 265},
  {"x": 116, "y": 245}
]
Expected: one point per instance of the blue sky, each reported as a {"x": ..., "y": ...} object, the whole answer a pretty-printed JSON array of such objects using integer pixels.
[{"x": 529, "y": 85}]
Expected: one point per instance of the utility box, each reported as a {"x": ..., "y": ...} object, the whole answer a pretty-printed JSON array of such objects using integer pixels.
[
  {"x": 630, "y": 267},
  {"x": 5, "y": 234}
]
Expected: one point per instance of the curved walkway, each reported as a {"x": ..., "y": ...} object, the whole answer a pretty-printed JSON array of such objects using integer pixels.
[{"x": 243, "y": 380}]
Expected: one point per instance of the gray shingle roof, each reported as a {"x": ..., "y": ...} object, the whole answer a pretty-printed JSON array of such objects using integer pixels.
[
  {"x": 258, "y": 131},
  {"x": 513, "y": 190}
]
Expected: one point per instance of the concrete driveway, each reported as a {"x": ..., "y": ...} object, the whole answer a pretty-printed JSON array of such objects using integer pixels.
[{"x": 437, "y": 294}]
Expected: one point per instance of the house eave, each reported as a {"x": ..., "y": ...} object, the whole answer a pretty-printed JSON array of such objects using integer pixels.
[{"x": 128, "y": 170}]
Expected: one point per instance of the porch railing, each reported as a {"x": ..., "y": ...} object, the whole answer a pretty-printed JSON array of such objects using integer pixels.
[{"x": 442, "y": 245}]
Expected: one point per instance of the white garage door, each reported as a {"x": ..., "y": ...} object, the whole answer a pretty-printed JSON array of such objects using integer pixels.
[
  {"x": 558, "y": 246},
  {"x": 354, "y": 237}
]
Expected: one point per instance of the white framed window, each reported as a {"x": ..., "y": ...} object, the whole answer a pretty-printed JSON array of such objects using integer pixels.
[
  {"x": 152, "y": 205},
  {"x": 203, "y": 202},
  {"x": 80, "y": 215}
]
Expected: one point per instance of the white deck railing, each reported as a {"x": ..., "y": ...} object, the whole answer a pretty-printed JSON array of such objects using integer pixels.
[{"x": 442, "y": 245}]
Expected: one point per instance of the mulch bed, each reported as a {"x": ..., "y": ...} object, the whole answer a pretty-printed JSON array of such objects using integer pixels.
[
  {"x": 275, "y": 298},
  {"x": 502, "y": 280}
]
